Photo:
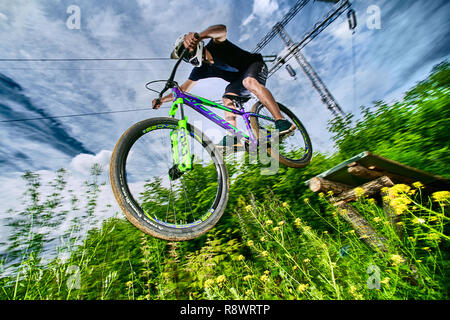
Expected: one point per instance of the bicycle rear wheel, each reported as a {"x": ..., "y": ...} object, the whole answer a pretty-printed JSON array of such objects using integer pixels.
[
  {"x": 295, "y": 149},
  {"x": 176, "y": 209}
]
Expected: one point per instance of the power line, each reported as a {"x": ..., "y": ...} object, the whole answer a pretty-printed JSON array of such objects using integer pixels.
[
  {"x": 81, "y": 59},
  {"x": 78, "y": 115}
]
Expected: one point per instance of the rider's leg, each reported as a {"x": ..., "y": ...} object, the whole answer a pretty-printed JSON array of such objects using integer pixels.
[
  {"x": 229, "y": 116},
  {"x": 264, "y": 95},
  {"x": 230, "y": 140}
]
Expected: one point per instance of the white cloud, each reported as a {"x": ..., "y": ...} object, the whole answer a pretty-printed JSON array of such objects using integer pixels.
[
  {"x": 105, "y": 24},
  {"x": 3, "y": 17},
  {"x": 264, "y": 8},
  {"x": 83, "y": 163}
]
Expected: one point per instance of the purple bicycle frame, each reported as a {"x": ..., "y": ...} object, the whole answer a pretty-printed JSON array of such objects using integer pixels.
[{"x": 198, "y": 104}]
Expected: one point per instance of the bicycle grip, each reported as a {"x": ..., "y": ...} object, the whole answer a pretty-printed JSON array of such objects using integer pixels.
[
  {"x": 157, "y": 103},
  {"x": 196, "y": 36}
]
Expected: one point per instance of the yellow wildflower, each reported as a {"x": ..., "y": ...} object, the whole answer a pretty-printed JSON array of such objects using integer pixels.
[
  {"x": 129, "y": 284},
  {"x": 208, "y": 283},
  {"x": 294, "y": 268},
  {"x": 433, "y": 236},
  {"x": 377, "y": 219},
  {"x": 264, "y": 278},
  {"x": 385, "y": 280},
  {"x": 306, "y": 200},
  {"x": 221, "y": 279},
  {"x": 281, "y": 223},
  {"x": 262, "y": 239},
  {"x": 269, "y": 222},
  {"x": 247, "y": 277},
  {"x": 306, "y": 260},
  {"x": 240, "y": 258},
  {"x": 441, "y": 196},
  {"x": 399, "y": 188},
  {"x": 266, "y": 272},
  {"x": 285, "y": 204},
  {"x": 371, "y": 201},
  {"x": 297, "y": 222},
  {"x": 418, "y": 185},
  {"x": 359, "y": 192},
  {"x": 400, "y": 204},
  {"x": 264, "y": 253},
  {"x": 397, "y": 259},
  {"x": 276, "y": 229},
  {"x": 321, "y": 195},
  {"x": 248, "y": 208},
  {"x": 250, "y": 243},
  {"x": 302, "y": 287},
  {"x": 330, "y": 193}
]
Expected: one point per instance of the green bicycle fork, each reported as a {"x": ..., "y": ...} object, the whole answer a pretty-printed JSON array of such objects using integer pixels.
[{"x": 179, "y": 135}]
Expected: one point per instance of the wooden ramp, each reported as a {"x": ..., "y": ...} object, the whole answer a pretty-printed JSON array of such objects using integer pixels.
[
  {"x": 366, "y": 166},
  {"x": 371, "y": 173}
]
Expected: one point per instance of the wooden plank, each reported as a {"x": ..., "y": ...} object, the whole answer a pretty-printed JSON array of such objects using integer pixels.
[{"x": 401, "y": 172}]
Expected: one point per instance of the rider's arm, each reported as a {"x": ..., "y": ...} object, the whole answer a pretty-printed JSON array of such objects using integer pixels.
[
  {"x": 218, "y": 33},
  {"x": 186, "y": 87}
]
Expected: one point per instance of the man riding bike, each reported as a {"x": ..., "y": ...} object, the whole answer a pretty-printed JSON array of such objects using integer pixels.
[{"x": 220, "y": 58}]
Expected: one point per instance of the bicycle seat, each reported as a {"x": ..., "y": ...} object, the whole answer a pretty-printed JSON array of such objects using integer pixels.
[{"x": 238, "y": 99}]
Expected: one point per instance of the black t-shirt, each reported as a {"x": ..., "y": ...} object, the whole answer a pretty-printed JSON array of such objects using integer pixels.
[{"x": 229, "y": 62}]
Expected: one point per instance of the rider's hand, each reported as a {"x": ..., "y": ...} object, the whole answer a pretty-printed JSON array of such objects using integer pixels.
[
  {"x": 156, "y": 103},
  {"x": 191, "y": 41}
]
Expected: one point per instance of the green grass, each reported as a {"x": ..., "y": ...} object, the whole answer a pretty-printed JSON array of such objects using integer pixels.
[{"x": 276, "y": 240}]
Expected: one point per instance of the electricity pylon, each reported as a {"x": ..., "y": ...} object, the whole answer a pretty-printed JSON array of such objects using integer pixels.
[{"x": 293, "y": 49}]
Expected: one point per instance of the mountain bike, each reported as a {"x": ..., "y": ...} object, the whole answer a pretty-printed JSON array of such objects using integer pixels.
[{"x": 170, "y": 179}]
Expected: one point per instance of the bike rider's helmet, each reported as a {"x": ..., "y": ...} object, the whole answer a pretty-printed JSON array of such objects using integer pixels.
[{"x": 195, "y": 57}]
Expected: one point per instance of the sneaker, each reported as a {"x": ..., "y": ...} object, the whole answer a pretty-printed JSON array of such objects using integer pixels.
[
  {"x": 230, "y": 142},
  {"x": 284, "y": 126}
]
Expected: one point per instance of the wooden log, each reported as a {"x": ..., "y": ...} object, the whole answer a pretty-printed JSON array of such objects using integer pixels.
[
  {"x": 370, "y": 188},
  {"x": 362, "y": 172},
  {"x": 317, "y": 184},
  {"x": 362, "y": 227}
]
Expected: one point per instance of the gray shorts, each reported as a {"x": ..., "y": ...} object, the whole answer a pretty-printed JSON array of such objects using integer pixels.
[{"x": 257, "y": 70}]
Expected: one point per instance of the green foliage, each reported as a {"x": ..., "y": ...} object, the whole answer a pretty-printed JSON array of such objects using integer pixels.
[
  {"x": 276, "y": 240},
  {"x": 413, "y": 131}
]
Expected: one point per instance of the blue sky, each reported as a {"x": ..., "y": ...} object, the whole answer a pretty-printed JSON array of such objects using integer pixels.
[{"x": 413, "y": 37}]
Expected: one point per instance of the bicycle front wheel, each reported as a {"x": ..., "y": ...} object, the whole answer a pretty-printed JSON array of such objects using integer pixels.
[
  {"x": 293, "y": 150},
  {"x": 167, "y": 207}
]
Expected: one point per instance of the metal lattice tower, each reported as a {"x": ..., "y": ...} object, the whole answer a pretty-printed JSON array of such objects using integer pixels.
[
  {"x": 293, "y": 49},
  {"x": 326, "y": 96}
]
